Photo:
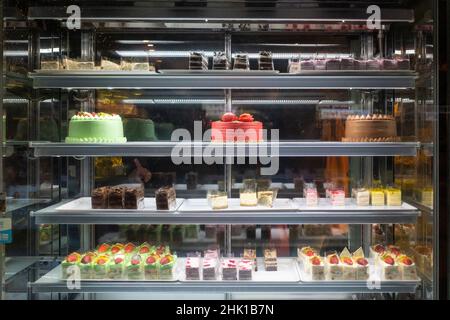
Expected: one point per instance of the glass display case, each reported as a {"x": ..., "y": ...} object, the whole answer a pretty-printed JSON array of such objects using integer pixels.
[{"x": 219, "y": 150}]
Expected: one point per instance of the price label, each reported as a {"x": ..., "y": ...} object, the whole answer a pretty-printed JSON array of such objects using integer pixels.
[{"x": 5, "y": 230}]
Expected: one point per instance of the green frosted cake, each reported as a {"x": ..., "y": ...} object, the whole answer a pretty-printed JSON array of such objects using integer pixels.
[
  {"x": 85, "y": 127},
  {"x": 139, "y": 129}
]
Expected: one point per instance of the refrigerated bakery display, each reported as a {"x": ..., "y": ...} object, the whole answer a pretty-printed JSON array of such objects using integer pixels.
[
  {"x": 232, "y": 128},
  {"x": 87, "y": 127}
]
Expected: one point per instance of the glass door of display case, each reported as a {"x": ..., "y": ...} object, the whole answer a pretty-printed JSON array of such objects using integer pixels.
[{"x": 240, "y": 148}]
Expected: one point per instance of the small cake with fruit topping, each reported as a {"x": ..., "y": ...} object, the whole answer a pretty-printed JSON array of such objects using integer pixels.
[
  {"x": 145, "y": 248},
  {"x": 86, "y": 265},
  {"x": 376, "y": 251},
  {"x": 129, "y": 248},
  {"x": 305, "y": 253},
  {"x": 348, "y": 265},
  {"x": 232, "y": 128},
  {"x": 116, "y": 267},
  {"x": 86, "y": 127},
  {"x": 192, "y": 268},
  {"x": 361, "y": 265},
  {"x": 315, "y": 267},
  {"x": 229, "y": 269},
  {"x": 389, "y": 268},
  {"x": 407, "y": 267},
  {"x": 166, "y": 266},
  {"x": 337, "y": 197},
  {"x": 134, "y": 267},
  {"x": 333, "y": 267},
  {"x": 103, "y": 248},
  {"x": 116, "y": 248},
  {"x": 245, "y": 268},
  {"x": 101, "y": 265},
  {"x": 71, "y": 260},
  {"x": 151, "y": 267}
]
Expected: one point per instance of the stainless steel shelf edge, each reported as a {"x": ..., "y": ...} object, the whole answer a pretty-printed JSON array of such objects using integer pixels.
[
  {"x": 223, "y": 14},
  {"x": 51, "y": 216},
  {"x": 285, "y": 149},
  {"x": 217, "y": 287},
  {"x": 378, "y": 80}
]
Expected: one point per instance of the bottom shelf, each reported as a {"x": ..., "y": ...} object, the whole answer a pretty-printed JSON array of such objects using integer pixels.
[{"x": 52, "y": 282}]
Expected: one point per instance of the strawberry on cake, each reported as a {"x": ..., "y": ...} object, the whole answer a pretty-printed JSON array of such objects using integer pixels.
[{"x": 232, "y": 128}]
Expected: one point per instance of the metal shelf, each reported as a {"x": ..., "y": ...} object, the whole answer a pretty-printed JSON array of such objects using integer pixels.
[
  {"x": 407, "y": 214},
  {"x": 50, "y": 283},
  {"x": 127, "y": 80},
  {"x": 219, "y": 13},
  {"x": 285, "y": 148}
]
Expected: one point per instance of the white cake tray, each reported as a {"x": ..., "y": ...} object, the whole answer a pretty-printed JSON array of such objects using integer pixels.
[
  {"x": 83, "y": 205},
  {"x": 287, "y": 271},
  {"x": 350, "y": 205},
  {"x": 201, "y": 205}
]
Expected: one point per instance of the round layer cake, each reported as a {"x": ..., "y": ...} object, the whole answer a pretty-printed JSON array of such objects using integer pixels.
[
  {"x": 86, "y": 127},
  {"x": 139, "y": 129},
  {"x": 370, "y": 128},
  {"x": 237, "y": 129}
]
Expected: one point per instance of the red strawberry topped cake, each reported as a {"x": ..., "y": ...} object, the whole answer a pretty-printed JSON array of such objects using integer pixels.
[{"x": 232, "y": 128}]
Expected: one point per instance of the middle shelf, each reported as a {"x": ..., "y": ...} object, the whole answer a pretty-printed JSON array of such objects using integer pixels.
[{"x": 350, "y": 214}]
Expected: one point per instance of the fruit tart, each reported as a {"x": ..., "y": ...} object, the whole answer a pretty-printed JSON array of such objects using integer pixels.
[{"x": 116, "y": 248}]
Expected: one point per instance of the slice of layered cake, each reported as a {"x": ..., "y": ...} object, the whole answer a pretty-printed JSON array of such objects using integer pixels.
[
  {"x": 198, "y": 61},
  {"x": 220, "y": 61},
  {"x": 270, "y": 260},
  {"x": 265, "y": 61},
  {"x": 99, "y": 198},
  {"x": 165, "y": 198}
]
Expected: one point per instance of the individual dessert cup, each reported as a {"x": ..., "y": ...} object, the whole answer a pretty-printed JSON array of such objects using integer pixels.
[
  {"x": 248, "y": 198},
  {"x": 99, "y": 198},
  {"x": 103, "y": 248},
  {"x": 389, "y": 269},
  {"x": 407, "y": 267},
  {"x": 151, "y": 267},
  {"x": 305, "y": 253},
  {"x": 166, "y": 266},
  {"x": 270, "y": 260},
  {"x": 337, "y": 197},
  {"x": 393, "y": 196},
  {"x": 348, "y": 265},
  {"x": 361, "y": 196},
  {"x": 101, "y": 266},
  {"x": 129, "y": 248},
  {"x": 241, "y": 62},
  {"x": 145, "y": 248},
  {"x": 86, "y": 265},
  {"x": 220, "y": 61},
  {"x": 217, "y": 199},
  {"x": 165, "y": 198},
  {"x": 86, "y": 127},
  {"x": 361, "y": 265},
  {"x": 265, "y": 61},
  {"x": 209, "y": 268},
  {"x": 116, "y": 267},
  {"x": 229, "y": 269},
  {"x": 315, "y": 267},
  {"x": 266, "y": 198},
  {"x": 198, "y": 61},
  {"x": 333, "y": 267},
  {"x": 134, "y": 268},
  {"x": 377, "y": 197},
  {"x": 69, "y": 263},
  {"x": 192, "y": 266},
  {"x": 115, "y": 198},
  {"x": 245, "y": 268}
]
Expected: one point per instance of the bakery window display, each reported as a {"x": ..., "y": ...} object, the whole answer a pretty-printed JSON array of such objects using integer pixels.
[
  {"x": 87, "y": 127},
  {"x": 232, "y": 128},
  {"x": 370, "y": 128},
  {"x": 198, "y": 61},
  {"x": 165, "y": 198}
]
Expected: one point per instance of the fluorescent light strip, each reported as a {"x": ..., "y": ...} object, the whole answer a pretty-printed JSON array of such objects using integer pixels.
[{"x": 236, "y": 102}]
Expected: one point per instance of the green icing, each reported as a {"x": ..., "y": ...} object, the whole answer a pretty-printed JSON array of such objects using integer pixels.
[
  {"x": 139, "y": 129},
  {"x": 96, "y": 131}
]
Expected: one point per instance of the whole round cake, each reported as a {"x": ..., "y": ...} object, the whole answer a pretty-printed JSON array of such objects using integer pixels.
[
  {"x": 232, "y": 128},
  {"x": 136, "y": 129},
  {"x": 86, "y": 127},
  {"x": 370, "y": 128}
]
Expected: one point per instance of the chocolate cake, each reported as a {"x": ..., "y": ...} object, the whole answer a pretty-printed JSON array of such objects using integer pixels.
[
  {"x": 347, "y": 64},
  {"x": 133, "y": 196},
  {"x": 265, "y": 61},
  {"x": 220, "y": 61},
  {"x": 270, "y": 259},
  {"x": 165, "y": 198},
  {"x": 241, "y": 62},
  {"x": 333, "y": 64},
  {"x": 198, "y": 61},
  {"x": 191, "y": 180},
  {"x": 99, "y": 198},
  {"x": 115, "y": 198}
]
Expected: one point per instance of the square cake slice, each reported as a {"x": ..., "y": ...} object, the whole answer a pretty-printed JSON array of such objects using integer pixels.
[
  {"x": 99, "y": 198},
  {"x": 270, "y": 260},
  {"x": 165, "y": 198}
]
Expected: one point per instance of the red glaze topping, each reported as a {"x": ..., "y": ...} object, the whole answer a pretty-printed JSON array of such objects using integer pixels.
[
  {"x": 315, "y": 261},
  {"x": 118, "y": 260},
  {"x": 165, "y": 260},
  {"x": 229, "y": 116},
  {"x": 135, "y": 261},
  {"x": 334, "y": 259},
  {"x": 348, "y": 260},
  {"x": 86, "y": 259},
  {"x": 395, "y": 251},
  {"x": 144, "y": 250},
  {"x": 129, "y": 248},
  {"x": 246, "y": 117},
  {"x": 151, "y": 260},
  {"x": 407, "y": 261},
  {"x": 389, "y": 260},
  {"x": 115, "y": 249},
  {"x": 72, "y": 257},
  {"x": 309, "y": 253},
  {"x": 379, "y": 248},
  {"x": 362, "y": 261},
  {"x": 101, "y": 261},
  {"x": 103, "y": 248}
]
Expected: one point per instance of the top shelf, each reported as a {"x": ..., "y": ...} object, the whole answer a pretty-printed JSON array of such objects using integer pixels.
[{"x": 129, "y": 80}]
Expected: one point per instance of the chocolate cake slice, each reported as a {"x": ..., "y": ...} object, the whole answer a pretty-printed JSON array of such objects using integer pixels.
[
  {"x": 99, "y": 198},
  {"x": 165, "y": 198},
  {"x": 241, "y": 62},
  {"x": 198, "y": 61},
  {"x": 115, "y": 198},
  {"x": 270, "y": 259},
  {"x": 133, "y": 196},
  {"x": 265, "y": 60},
  {"x": 220, "y": 61}
]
